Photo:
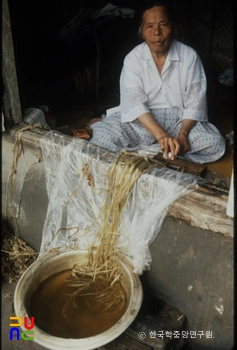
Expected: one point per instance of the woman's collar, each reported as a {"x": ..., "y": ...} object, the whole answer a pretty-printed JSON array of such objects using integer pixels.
[{"x": 172, "y": 54}]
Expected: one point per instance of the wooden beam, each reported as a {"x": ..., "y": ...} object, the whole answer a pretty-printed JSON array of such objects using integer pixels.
[{"x": 183, "y": 165}]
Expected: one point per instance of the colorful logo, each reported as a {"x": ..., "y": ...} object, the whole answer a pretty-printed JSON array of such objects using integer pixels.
[{"x": 15, "y": 332}]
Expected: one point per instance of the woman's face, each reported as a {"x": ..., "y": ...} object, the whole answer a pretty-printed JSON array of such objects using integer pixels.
[{"x": 157, "y": 30}]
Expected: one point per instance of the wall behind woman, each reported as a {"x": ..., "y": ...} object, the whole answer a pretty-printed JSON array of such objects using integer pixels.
[{"x": 210, "y": 28}]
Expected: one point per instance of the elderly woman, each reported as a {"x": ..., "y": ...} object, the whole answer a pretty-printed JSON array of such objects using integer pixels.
[{"x": 162, "y": 98}]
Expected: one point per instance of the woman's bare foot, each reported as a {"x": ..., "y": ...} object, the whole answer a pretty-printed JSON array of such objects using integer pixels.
[{"x": 94, "y": 120}]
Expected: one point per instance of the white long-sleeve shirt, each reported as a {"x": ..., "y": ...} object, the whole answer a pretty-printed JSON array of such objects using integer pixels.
[{"x": 182, "y": 84}]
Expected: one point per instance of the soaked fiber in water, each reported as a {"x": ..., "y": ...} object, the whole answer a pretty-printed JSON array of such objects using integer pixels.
[{"x": 79, "y": 316}]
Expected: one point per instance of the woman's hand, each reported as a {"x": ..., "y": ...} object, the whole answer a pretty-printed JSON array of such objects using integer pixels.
[
  {"x": 167, "y": 142},
  {"x": 184, "y": 144},
  {"x": 186, "y": 127},
  {"x": 168, "y": 145}
]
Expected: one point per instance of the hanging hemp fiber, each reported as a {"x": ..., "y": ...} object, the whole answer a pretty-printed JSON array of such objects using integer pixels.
[{"x": 99, "y": 277}]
